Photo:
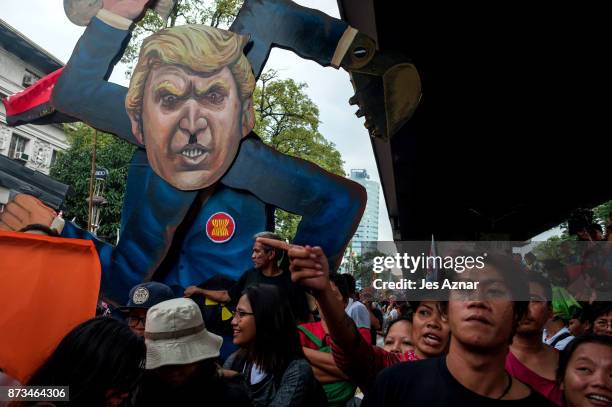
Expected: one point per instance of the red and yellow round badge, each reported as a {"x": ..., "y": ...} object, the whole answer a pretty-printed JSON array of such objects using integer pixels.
[{"x": 220, "y": 227}]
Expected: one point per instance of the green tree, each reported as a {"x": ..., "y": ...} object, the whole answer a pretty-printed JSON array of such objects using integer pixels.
[
  {"x": 288, "y": 120},
  {"x": 603, "y": 213},
  {"x": 215, "y": 13},
  {"x": 363, "y": 268},
  {"x": 551, "y": 248},
  {"x": 73, "y": 167}
]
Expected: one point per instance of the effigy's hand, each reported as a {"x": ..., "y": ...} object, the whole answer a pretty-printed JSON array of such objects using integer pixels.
[
  {"x": 375, "y": 75},
  {"x": 308, "y": 265},
  {"x": 25, "y": 210},
  {"x": 130, "y": 9}
]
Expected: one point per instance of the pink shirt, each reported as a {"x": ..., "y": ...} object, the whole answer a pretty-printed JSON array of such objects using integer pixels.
[{"x": 546, "y": 387}]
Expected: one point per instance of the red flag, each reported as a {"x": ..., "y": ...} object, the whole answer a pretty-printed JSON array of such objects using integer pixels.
[
  {"x": 33, "y": 102},
  {"x": 48, "y": 285}
]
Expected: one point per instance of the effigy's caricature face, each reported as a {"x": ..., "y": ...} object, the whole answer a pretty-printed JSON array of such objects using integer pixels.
[
  {"x": 191, "y": 124},
  {"x": 190, "y": 103}
]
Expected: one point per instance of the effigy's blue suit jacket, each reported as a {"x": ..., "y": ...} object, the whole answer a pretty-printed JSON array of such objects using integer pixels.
[{"x": 330, "y": 206}]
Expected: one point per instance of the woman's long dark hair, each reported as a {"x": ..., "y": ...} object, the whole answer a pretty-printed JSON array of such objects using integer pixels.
[
  {"x": 277, "y": 341},
  {"x": 98, "y": 355}
]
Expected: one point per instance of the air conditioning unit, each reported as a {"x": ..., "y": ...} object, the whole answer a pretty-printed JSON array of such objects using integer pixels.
[
  {"x": 27, "y": 81},
  {"x": 21, "y": 156}
]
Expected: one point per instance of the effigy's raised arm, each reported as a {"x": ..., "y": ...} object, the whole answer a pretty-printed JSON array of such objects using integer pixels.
[{"x": 82, "y": 91}]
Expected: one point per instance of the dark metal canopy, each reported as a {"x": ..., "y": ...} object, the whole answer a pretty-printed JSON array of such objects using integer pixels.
[
  {"x": 20, "y": 179},
  {"x": 510, "y": 135}
]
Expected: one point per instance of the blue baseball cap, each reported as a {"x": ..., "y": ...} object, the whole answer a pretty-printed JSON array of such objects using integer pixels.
[{"x": 148, "y": 294}]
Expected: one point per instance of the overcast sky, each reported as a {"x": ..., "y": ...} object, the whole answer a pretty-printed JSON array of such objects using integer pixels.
[{"x": 44, "y": 22}]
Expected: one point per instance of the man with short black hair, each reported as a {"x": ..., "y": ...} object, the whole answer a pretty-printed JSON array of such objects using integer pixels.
[
  {"x": 532, "y": 263},
  {"x": 482, "y": 322},
  {"x": 602, "y": 318},
  {"x": 355, "y": 309},
  {"x": 557, "y": 333},
  {"x": 266, "y": 270},
  {"x": 580, "y": 323},
  {"x": 341, "y": 283}
]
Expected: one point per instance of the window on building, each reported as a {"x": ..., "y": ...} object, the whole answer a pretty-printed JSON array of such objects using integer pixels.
[
  {"x": 29, "y": 78},
  {"x": 17, "y": 147},
  {"x": 53, "y": 157}
]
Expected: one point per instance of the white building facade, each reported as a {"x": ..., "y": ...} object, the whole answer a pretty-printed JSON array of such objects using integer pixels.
[{"x": 21, "y": 64}]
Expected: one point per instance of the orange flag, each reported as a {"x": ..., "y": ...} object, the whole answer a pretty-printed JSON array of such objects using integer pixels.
[{"x": 48, "y": 285}]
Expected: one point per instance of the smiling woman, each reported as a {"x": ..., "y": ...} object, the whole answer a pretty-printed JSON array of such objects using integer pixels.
[
  {"x": 271, "y": 356},
  {"x": 585, "y": 371}
]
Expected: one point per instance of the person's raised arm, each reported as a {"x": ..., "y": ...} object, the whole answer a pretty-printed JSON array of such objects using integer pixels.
[
  {"x": 325, "y": 362},
  {"x": 374, "y": 319},
  {"x": 323, "y": 376},
  {"x": 309, "y": 267},
  {"x": 82, "y": 90},
  {"x": 215, "y": 295},
  {"x": 360, "y": 361}
]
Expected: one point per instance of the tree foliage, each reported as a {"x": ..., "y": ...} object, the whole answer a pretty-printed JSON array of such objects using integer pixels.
[
  {"x": 362, "y": 268},
  {"x": 214, "y": 13},
  {"x": 603, "y": 213},
  {"x": 73, "y": 167},
  {"x": 288, "y": 120},
  {"x": 551, "y": 249}
]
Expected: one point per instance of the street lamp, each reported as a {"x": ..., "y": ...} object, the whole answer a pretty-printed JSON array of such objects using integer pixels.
[{"x": 96, "y": 199}]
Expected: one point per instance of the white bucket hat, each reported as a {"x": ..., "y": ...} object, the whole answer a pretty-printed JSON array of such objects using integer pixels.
[{"x": 175, "y": 334}]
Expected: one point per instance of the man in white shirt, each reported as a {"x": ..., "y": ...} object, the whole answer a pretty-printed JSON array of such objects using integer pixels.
[
  {"x": 557, "y": 333},
  {"x": 355, "y": 309},
  {"x": 358, "y": 313},
  {"x": 394, "y": 313}
]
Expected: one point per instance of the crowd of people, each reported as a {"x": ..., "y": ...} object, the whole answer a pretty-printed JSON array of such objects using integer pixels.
[{"x": 292, "y": 333}]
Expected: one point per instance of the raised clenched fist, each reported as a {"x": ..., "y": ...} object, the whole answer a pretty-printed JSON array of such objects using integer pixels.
[
  {"x": 308, "y": 265},
  {"x": 25, "y": 210}
]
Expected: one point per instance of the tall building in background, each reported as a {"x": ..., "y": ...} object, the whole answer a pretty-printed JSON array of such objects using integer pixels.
[{"x": 368, "y": 227}]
